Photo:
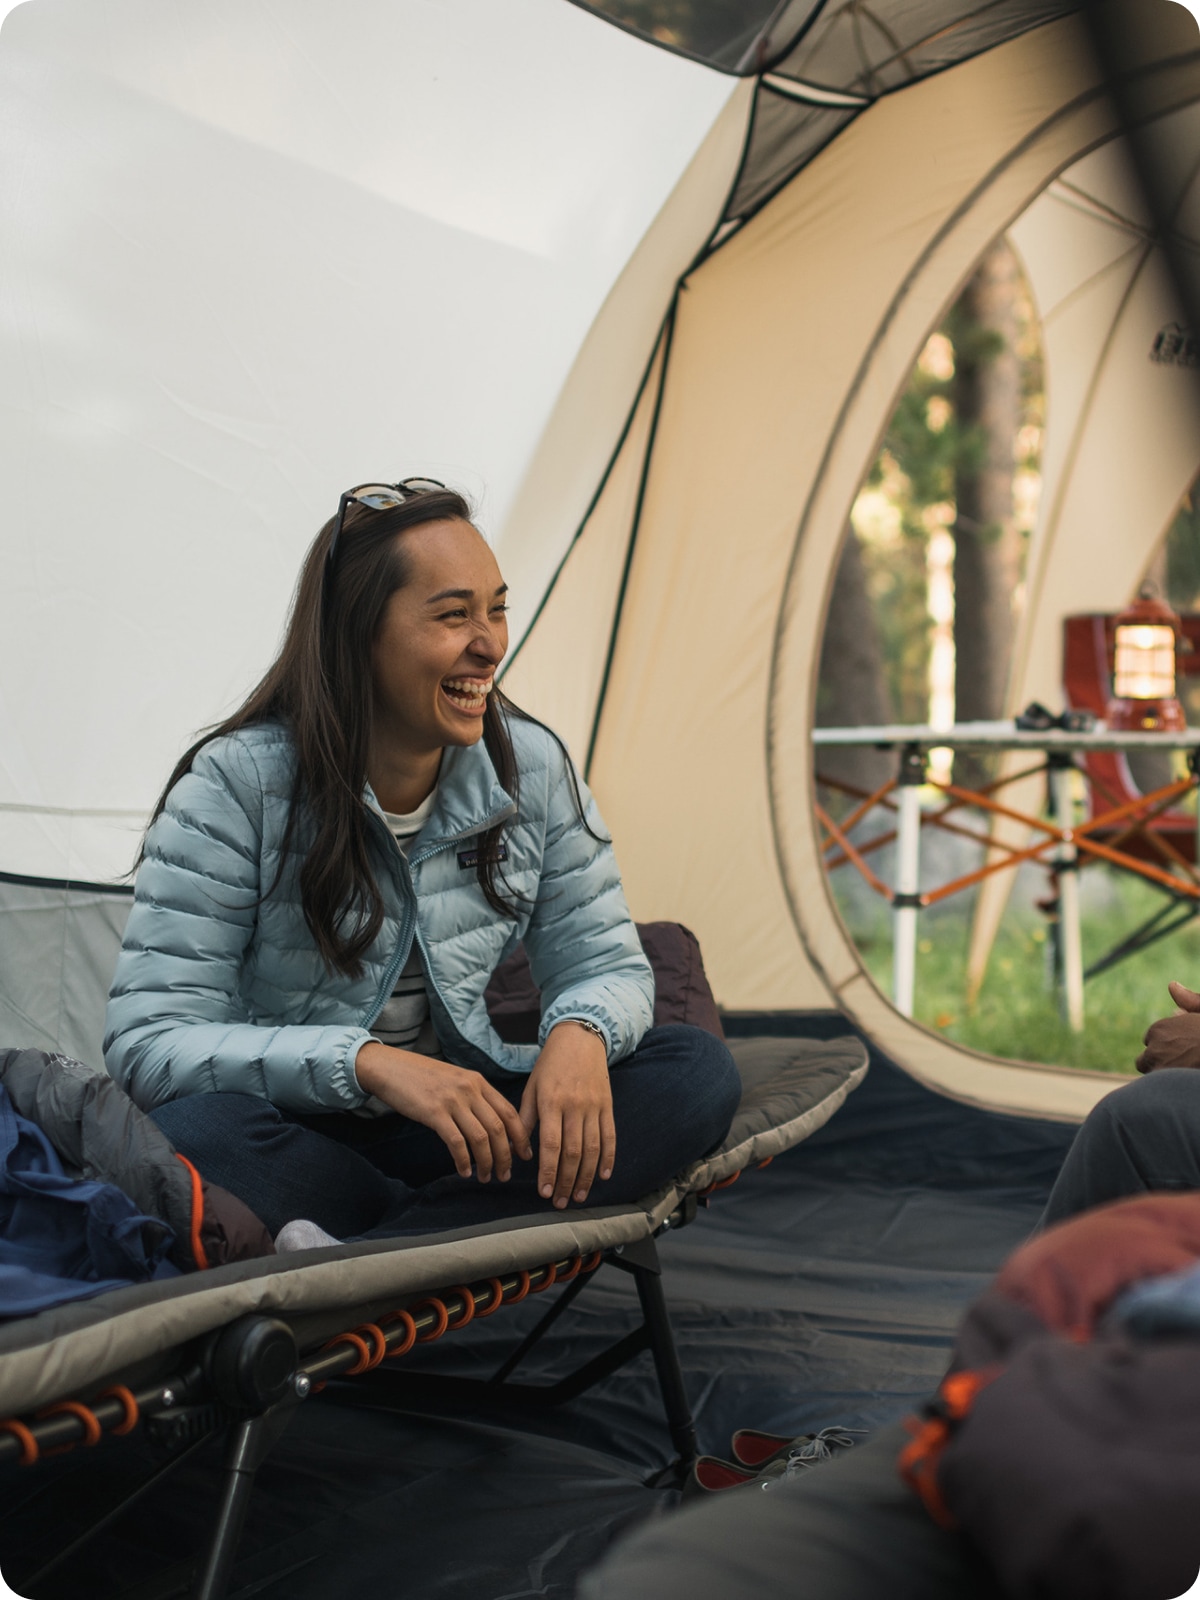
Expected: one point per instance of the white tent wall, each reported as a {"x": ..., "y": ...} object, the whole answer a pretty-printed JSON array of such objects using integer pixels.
[
  {"x": 791, "y": 345},
  {"x": 1122, "y": 433},
  {"x": 242, "y": 265},
  {"x": 250, "y": 256}
]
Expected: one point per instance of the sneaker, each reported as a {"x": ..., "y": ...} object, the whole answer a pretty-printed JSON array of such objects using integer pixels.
[
  {"x": 710, "y": 1474},
  {"x": 757, "y": 1450}
]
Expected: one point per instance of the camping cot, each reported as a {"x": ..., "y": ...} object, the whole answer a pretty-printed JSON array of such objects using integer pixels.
[{"x": 238, "y": 1346}]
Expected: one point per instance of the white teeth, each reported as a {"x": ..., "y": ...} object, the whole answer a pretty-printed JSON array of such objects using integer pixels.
[{"x": 470, "y": 693}]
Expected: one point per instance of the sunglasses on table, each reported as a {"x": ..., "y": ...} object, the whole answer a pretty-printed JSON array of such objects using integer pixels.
[{"x": 379, "y": 497}]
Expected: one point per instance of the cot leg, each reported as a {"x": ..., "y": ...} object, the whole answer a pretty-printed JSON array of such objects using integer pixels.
[
  {"x": 250, "y": 1443},
  {"x": 642, "y": 1261}
]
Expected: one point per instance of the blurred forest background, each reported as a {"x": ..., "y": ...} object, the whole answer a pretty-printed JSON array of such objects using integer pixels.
[{"x": 920, "y": 628}]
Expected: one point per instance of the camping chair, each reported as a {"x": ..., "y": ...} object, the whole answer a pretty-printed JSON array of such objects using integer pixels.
[
  {"x": 1167, "y": 838},
  {"x": 239, "y": 1347}
]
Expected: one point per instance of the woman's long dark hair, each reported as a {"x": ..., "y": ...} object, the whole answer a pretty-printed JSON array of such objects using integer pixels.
[{"x": 320, "y": 688}]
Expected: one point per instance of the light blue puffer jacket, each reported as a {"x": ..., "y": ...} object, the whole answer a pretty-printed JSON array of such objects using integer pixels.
[{"x": 215, "y": 990}]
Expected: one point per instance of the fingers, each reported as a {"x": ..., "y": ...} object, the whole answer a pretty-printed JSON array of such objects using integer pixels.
[
  {"x": 589, "y": 1159},
  {"x": 608, "y": 1142},
  {"x": 516, "y": 1130},
  {"x": 493, "y": 1153},
  {"x": 460, "y": 1151},
  {"x": 477, "y": 1135},
  {"x": 529, "y": 1108},
  {"x": 550, "y": 1137},
  {"x": 570, "y": 1157},
  {"x": 1186, "y": 999}
]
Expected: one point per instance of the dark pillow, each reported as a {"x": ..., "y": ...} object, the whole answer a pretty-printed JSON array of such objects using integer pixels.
[{"x": 682, "y": 993}]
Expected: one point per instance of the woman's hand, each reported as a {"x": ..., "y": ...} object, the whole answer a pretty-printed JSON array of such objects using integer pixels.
[
  {"x": 570, "y": 1096},
  {"x": 469, "y": 1115}
]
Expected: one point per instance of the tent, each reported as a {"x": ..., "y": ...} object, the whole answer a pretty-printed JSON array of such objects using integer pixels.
[
  {"x": 651, "y": 312},
  {"x": 651, "y": 307}
]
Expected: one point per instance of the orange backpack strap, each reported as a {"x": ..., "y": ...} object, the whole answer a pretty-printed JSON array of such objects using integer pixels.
[{"x": 931, "y": 1432}]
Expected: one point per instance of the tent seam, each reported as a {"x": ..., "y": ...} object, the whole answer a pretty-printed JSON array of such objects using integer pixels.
[
  {"x": 599, "y": 490},
  {"x": 634, "y": 525}
]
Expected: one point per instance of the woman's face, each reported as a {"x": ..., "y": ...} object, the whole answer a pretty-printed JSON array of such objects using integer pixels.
[{"x": 440, "y": 641}]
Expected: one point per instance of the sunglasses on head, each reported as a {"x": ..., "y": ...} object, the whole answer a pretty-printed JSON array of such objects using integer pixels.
[{"x": 379, "y": 497}]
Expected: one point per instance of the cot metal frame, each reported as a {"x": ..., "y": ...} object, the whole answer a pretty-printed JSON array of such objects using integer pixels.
[{"x": 249, "y": 1379}]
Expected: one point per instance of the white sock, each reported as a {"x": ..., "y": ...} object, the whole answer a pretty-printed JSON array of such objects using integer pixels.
[{"x": 302, "y": 1235}]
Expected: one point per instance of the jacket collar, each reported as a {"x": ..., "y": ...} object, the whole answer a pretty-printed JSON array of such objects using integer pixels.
[{"x": 470, "y": 798}]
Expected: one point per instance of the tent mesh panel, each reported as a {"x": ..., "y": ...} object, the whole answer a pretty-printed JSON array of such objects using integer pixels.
[
  {"x": 784, "y": 137},
  {"x": 861, "y": 47}
]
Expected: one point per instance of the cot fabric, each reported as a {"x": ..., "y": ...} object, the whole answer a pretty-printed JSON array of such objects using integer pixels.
[
  {"x": 791, "y": 1087},
  {"x": 219, "y": 984}
]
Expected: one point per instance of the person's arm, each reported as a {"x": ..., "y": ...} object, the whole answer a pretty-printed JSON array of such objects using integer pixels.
[
  {"x": 175, "y": 1025},
  {"x": 583, "y": 948},
  {"x": 597, "y": 997},
  {"x": 1174, "y": 1041}
]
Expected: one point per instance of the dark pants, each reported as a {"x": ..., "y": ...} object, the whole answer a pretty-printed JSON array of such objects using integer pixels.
[
  {"x": 848, "y": 1529},
  {"x": 1141, "y": 1138},
  {"x": 673, "y": 1101}
]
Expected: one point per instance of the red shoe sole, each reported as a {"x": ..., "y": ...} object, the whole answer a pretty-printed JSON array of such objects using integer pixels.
[{"x": 750, "y": 1447}]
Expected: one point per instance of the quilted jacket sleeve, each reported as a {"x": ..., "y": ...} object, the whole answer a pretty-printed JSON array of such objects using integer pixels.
[
  {"x": 582, "y": 945},
  {"x": 175, "y": 1023}
]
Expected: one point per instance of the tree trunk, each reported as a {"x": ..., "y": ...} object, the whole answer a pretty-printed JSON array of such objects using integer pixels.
[
  {"x": 852, "y": 689},
  {"x": 987, "y": 389}
]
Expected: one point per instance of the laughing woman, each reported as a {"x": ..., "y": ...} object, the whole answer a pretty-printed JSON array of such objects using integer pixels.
[{"x": 330, "y": 879}]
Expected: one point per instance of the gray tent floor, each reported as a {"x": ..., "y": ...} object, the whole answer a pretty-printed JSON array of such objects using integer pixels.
[{"x": 824, "y": 1289}]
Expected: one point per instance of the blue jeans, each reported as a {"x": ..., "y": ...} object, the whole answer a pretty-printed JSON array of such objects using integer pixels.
[{"x": 673, "y": 1101}]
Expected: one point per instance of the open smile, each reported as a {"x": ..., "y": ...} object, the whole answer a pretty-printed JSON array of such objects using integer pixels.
[{"x": 468, "y": 695}]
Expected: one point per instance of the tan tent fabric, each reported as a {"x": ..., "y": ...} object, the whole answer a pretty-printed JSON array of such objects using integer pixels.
[
  {"x": 1123, "y": 431},
  {"x": 791, "y": 344}
]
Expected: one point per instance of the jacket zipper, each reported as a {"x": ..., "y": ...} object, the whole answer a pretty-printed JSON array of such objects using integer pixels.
[{"x": 412, "y": 928}]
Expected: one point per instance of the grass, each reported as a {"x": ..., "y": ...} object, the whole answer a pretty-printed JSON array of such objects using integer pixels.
[{"x": 1016, "y": 1013}]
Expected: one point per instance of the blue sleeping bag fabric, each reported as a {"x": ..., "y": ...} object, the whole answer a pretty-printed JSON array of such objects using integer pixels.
[{"x": 64, "y": 1238}]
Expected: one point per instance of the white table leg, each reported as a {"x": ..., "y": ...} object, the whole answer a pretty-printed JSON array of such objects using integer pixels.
[
  {"x": 908, "y": 882},
  {"x": 1068, "y": 899}
]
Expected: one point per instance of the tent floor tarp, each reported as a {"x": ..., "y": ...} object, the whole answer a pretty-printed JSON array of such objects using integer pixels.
[{"x": 822, "y": 1290}]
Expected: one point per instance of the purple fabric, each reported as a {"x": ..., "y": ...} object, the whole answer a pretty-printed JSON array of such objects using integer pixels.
[{"x": 681, "y": 988}]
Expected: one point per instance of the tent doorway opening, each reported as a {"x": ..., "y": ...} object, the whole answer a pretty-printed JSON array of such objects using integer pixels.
[{"x": 928, "y": 621}]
